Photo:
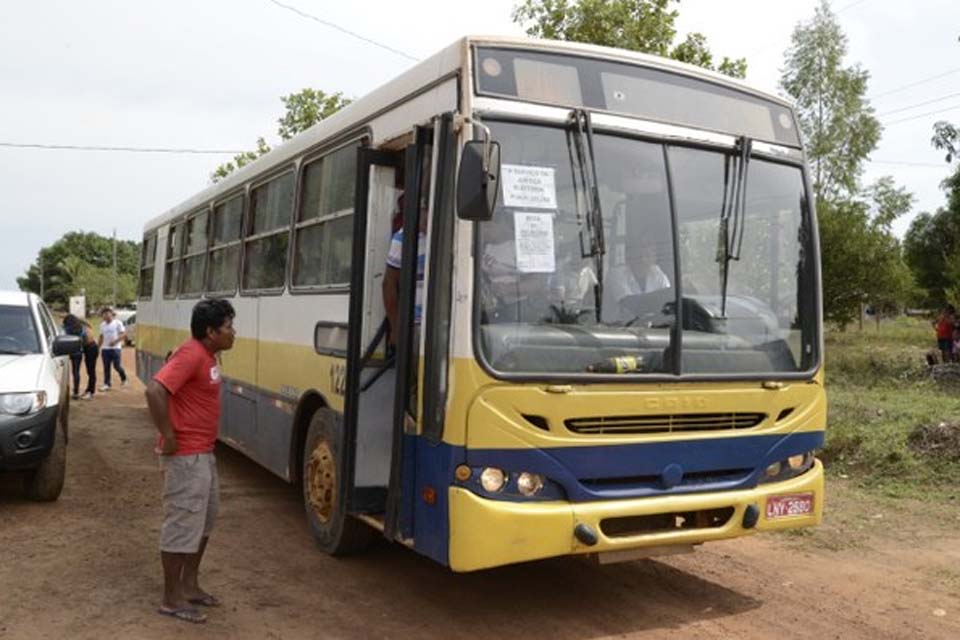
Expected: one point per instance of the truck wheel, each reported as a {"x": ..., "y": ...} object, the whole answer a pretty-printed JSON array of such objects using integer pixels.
[
  {"x": 335, "y": 532},
  {"x": 46, "y": 481}
]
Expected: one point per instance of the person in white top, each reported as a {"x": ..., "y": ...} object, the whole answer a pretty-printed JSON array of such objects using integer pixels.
[
  {"x": 112, "y": 333},
  {"x": 640, "y": 274}
]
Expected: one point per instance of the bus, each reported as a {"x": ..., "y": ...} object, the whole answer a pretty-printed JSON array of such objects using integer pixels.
[{"x": 599, "y": 332}]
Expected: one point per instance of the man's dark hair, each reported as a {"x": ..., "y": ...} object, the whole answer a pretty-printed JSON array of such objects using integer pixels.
[{"x": 209, "y": 314}]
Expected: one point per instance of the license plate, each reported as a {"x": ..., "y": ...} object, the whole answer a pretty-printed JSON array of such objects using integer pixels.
[{"x": 794, "y": 504}]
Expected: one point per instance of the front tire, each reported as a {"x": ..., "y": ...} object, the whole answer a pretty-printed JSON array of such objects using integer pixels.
[
  {"x": 45, "y": 483},
  {"x": 335, "y": 532}
]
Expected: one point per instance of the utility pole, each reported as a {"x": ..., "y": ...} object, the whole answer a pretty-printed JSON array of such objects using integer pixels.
[{"x": 114, "y": 267}]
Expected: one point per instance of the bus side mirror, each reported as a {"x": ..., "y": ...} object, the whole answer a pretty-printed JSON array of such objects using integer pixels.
[{"x": 478, "y": 181}]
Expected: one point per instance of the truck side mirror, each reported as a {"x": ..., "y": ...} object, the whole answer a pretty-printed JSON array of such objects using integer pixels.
[
  {"x": 66, "y": 345},
  {"x": 478, "y": 181}
]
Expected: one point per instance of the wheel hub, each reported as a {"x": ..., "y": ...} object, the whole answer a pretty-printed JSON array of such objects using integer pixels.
[{"x": 322, "y": 481}]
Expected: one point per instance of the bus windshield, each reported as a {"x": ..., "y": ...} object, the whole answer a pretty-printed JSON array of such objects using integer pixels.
[{"x": 552, "y": 298}]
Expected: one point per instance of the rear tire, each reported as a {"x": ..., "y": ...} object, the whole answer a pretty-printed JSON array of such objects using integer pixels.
[
  {"x": 336, "y": 533},
  {"x": 45, "y": 483}
]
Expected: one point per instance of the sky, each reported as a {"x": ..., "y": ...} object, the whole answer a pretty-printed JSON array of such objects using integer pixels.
[{"x": 208, "y": 76}]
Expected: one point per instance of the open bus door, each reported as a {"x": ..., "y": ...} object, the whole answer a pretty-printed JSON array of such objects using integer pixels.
[{"x": 352, "y": 465}]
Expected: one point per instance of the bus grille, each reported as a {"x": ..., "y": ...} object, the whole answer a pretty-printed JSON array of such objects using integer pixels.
[{"x": 667, "y": 423}]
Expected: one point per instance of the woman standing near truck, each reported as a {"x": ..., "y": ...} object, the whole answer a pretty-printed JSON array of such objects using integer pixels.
[{"x": 77, "y": 327}]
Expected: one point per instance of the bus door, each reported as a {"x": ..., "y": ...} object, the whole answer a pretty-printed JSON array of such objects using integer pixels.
[
  {"x": 379, "y": 373},
  {"x": 371, "y": 374}
]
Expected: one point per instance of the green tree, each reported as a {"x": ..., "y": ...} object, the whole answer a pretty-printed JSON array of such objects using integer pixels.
[
  {"x": 306, "y": 108},
  {"x": 65, "y": 260},
  {"x": 639, "y": 25},
  {"x": 830, "y": 99},
  {"x": 946, "y": 137},
  {"x": 240, "y": 160},
  {"x": 861, "y": 258},
  {"x": 932, "y": 243},
  {"x": 303, "y": 109}
]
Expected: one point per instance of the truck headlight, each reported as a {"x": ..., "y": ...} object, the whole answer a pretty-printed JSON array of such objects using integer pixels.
[{"x": 18, "y": 404}]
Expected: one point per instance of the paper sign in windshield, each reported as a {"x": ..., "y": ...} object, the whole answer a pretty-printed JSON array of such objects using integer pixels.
[
  {"x": 530, "y": 187},
  {"x": 534, "y": 237}
]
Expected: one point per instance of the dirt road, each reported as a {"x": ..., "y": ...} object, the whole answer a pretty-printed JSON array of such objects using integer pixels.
[{"x": 87, "y": 567}]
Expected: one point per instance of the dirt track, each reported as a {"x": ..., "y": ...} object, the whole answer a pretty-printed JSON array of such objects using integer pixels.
[{"x": 87, "y": 567}]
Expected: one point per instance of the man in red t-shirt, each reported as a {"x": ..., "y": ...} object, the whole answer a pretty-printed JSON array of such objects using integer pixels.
[
  {"x": 184, "y": 400},
  {"x": 944, "y": 325}
]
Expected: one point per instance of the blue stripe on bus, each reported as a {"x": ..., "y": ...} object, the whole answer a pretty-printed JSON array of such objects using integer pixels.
[{"x": 605, "y": 472}]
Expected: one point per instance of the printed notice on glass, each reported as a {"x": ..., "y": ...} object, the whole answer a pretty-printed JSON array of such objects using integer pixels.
[
  {"x": 529, "y": 187},
  {"x": 534, "y": 242}
]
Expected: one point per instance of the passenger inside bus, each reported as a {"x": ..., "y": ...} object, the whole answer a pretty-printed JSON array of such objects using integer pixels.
[{"x": 391, "y": 275}]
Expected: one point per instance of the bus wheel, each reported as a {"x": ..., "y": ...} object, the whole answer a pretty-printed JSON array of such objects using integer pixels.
[{"x": 335, "y": 532}]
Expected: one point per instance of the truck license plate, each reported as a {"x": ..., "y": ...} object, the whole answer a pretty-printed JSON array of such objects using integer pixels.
[{"x": 794, "y": 504}]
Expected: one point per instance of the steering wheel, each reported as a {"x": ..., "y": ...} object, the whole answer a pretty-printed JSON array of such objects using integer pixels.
[{"x": 646, "y": 306}]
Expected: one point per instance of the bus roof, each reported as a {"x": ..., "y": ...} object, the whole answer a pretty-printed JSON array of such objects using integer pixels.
[{"x": 443, "y": 64}]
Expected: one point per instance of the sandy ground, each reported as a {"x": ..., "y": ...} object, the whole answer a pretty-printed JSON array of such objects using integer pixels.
[{"x": 87, "y": 567}]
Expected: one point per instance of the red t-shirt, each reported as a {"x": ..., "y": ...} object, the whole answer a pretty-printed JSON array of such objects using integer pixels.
[
  {"x": 192, "y": 378},
  {"x": 944, "y": 329}
]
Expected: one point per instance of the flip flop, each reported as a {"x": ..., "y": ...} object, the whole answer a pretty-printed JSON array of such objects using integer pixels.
[
  {"x": 208, "y": 600},
  {"x": 187, "y": 614}
]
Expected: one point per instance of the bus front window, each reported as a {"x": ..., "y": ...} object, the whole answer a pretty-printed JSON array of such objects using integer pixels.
[{"x": 552, "y": 299}]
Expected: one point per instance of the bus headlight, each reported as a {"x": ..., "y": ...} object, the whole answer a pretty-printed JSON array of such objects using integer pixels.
[
  {"x": 529, "y": 484},
  {"x": 790, "y": 467},
  {"x": 492, "y": 479}
]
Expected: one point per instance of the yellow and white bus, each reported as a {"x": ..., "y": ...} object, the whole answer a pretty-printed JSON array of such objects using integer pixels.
[{"x": 620, "y": 348}]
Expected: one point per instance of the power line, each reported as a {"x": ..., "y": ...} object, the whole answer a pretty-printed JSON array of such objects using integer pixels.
[
  {"x": 922, "y": 115},
  {"x": 77, "y": 147},
  {"x": 919, "y": 104},
  {"x": 304, "y": 14},
  {"x": 914, "y": 84}
]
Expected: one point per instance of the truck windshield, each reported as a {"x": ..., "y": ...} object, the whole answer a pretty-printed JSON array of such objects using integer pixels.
[
  {"x": 18, "y": 335},
  {"x": 537, "y": 275}
]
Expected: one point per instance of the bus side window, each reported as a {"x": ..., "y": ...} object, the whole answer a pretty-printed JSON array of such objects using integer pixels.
[
  {"x": 171, "y": 274},
  {"x": 324, "y": 229},
  {"x": 265, "y": 250},
  {"x": 224, "y": 260},
  {"x": 148, "y": 258},
  {"x": 195, "y": 254}
]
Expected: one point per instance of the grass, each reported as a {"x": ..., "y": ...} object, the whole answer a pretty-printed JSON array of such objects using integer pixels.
[{"x": 879, "y": 393}]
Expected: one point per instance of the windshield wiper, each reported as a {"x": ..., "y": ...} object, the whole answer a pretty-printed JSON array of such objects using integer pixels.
[
  {"x": 732, "y": 213},
  {"x": 8, "y": 352},
  {"x": 583, "y": 130}
]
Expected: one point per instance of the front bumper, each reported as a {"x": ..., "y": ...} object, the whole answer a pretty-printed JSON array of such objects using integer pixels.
[
  {"x": 35, "y": 431},
  {"x": 488, "y": 533}
]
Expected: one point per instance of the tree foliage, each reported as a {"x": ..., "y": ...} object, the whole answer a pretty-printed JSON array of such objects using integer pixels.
[
  {"x": 639, "y": 25},
  {"x": 932, "y": 243},
  {"x": 303, "y": 109},
  {"x": 84, "y": 261},
  {"x": 830, "y": 99},
  {"x": 861, "y": 258}
]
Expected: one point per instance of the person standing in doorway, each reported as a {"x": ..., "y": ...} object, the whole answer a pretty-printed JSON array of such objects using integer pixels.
[
  {"x": 112, "y": 333},
  {"x": 184, "y": 401}
]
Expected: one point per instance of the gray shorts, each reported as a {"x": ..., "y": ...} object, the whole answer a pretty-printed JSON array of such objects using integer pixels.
[{"x": 191, "y": 499}]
